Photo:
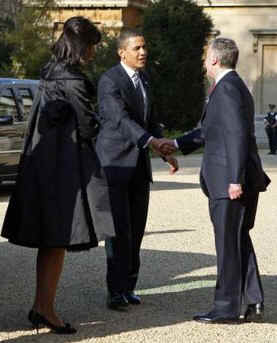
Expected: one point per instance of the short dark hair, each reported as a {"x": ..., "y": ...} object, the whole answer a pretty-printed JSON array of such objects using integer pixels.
[
  {"x": 78, "y": 34},
  {"x": 227, "y": 51},
  {"x": 125, "y": 34}
]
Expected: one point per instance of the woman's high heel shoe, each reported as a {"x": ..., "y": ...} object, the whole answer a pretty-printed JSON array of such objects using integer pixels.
[{"x": 37, "y": 319}]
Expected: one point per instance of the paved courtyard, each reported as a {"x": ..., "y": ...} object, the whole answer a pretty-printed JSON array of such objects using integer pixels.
[{"x": 177, "y": 275}]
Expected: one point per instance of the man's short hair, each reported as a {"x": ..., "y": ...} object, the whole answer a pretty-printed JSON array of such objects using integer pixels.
[
  {"x": 227, "y": 52},
  {"x": 125, "y": 34}
]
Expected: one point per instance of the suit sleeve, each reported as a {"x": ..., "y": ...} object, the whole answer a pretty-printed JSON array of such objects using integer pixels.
[
  {"x": 112, "y": 108},
  {"x": 191, "y": 141},
  {"x": 233, "y": 117}
]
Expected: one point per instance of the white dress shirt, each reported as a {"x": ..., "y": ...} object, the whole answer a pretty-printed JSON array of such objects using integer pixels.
[
  {"x": 222, "y": 74},
  {"x": 131, "y": 73}
]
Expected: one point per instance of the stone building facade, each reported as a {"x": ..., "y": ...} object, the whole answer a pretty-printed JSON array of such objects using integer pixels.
[
  {"x": 111, "y": 14},
  {"x": 253, "y": 25}
]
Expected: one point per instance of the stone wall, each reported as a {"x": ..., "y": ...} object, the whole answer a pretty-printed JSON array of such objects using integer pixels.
[{"x": 112, "y": 15}]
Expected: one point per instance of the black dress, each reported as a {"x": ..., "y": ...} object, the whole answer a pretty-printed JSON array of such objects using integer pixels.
[{"x": 61, "y": 198}]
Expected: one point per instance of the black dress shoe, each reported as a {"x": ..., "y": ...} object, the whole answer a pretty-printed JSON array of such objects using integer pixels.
[
  {"x": 132, "y": 298},
  {"x": 213, "y": 318},
  {"x": 117, "y": 302},
  {"x": 38, "y": 320},
  {"x": 253, "y": 313}
]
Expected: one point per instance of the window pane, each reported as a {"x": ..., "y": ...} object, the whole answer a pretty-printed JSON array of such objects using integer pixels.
[
  {"x": 7, "y": 103},
  {"x": 27, "y": 101}
]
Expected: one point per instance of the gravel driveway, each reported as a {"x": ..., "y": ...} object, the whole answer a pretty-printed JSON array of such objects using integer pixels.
[{"x": 177, "y": 275}]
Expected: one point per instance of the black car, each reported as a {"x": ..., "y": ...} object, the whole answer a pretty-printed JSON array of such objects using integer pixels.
[{"x": 16, "y": 98}]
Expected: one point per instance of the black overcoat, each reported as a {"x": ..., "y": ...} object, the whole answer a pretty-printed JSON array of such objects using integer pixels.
[{"x": 61, "y": 198}]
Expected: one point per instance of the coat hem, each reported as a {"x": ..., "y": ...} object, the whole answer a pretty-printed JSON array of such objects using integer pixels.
[{"x": 70, "y": 248}]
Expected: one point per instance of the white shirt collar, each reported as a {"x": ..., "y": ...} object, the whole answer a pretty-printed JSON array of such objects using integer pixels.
[
  {"x": 129, "y": 71},
  {"x": 222, "y": 74}
]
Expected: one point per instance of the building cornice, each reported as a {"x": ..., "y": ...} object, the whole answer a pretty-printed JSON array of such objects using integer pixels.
[
  {"x": 237, "y": 3},
  {"x": 102, "y": 3},
  {"x": 264, "y": 32}
]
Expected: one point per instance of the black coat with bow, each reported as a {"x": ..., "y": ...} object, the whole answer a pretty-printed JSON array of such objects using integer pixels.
[{"x": 60, "y": 199}]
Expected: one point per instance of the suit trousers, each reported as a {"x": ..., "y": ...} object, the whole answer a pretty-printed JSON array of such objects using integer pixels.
[
  {"x": 129, "y": 204},
  {"x": 272, "y": 138},
  {"x": 238, "y": 279}
]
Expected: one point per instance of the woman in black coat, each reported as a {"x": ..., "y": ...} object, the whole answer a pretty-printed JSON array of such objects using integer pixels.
[{"x": 60, "y": 200}]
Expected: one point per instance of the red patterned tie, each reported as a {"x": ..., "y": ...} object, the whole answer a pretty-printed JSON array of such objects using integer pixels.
[{"x": 211, "y": 88}]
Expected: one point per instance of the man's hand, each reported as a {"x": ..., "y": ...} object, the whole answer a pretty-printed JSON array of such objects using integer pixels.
[
  {"x": 235, "y": 191},
  {"x": 173, "y": 163},
  {"x": 163, "y": 146},
  {"x": 167, "y": 145}
]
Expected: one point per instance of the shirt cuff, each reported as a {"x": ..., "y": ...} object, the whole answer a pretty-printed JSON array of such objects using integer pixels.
[
  {"x": 176, "y": 144},
  {"x": 148, "y": 142}
]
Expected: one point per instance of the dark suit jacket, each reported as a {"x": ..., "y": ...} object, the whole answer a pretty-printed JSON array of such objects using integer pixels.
[
  {"x": 123, "y": 130},
  {"x": 230, "y": 154}
]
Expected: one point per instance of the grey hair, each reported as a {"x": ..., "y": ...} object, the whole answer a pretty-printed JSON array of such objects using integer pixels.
[
  {"x": 226, "y": 51},
  {"x": 125, "y": 34}
]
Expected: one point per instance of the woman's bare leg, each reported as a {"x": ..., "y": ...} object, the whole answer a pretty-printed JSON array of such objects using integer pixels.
[{"x": 49, "y": 268}]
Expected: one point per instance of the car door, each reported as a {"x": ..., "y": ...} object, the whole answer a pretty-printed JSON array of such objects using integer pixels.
[
  {"x": 24, "y": 96},
  {"x": 15, "y": 103},
  {"x": 9, "y": 143}
]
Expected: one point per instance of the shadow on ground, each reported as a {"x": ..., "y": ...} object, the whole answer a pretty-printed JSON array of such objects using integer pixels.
[
  {"x": 166, "y": 185},
  {"x": 170, "y": 296}
]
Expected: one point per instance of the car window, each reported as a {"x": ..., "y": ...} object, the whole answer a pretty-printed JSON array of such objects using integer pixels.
[
  {"x": 27, "y": 99},
  {"x": 7, "y": 103}
]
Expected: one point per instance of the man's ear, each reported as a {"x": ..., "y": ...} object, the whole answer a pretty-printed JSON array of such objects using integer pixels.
[
  {"x": 214, "y": 60},
  {"x": 121, "y": 53}
]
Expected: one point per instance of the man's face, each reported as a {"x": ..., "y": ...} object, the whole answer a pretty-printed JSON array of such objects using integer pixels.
[
  {"x": 210, "y": 62},
  {"x": 134, "y": 53}
]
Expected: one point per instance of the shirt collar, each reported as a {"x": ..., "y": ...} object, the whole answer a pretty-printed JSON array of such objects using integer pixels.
[
  {"x": 129, "y": 71},
  {"x": 222, "y": 74}
]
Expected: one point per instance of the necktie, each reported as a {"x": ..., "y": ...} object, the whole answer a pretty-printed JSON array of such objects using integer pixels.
[
  {"x": 211, "y": 88},
  {"x": 136, "y": 79},
  {"x": 141, "y": 95}
]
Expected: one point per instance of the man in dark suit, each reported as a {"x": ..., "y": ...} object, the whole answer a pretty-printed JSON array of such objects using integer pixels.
[
  {"x": 270, "y": 122},
  {"x": 232, "y": 177},
  {"x": 128, "y": 127}
]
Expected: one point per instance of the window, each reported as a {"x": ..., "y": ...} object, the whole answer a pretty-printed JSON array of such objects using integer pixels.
[
  {"x": 27, "y": 99},
  {"x": 7, "y": 104}
]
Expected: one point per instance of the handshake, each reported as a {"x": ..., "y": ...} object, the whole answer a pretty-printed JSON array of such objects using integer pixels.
[{"x": 163, "y": 146}]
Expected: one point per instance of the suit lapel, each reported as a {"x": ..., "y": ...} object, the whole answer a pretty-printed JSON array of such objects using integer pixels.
[
  {"x": 132, "y": 98},
  {"x": 125, "y": 81},
  {"x": 205, "y": 109},
  {"x": 128, "y": 86},
  {"x": 148, "y": 95},
  {"x": 208, "y": 99}
]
